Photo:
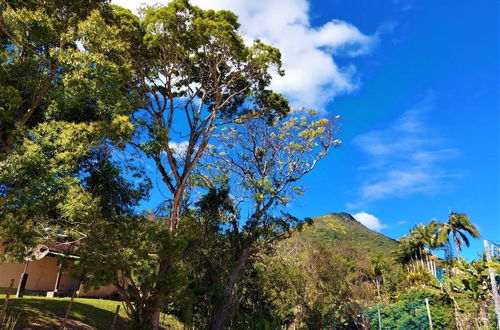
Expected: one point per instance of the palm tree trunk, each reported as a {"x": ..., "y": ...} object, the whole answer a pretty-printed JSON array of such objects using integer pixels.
[{"x": 457, "y": 247}]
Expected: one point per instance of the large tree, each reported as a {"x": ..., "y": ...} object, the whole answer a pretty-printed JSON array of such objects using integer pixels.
[
  {"x": 192, "y": 72},
  {"x": 261, "y": 161},
  {"x": 65, "y": 99},
  {"x": 64, "y": 105},
  {"x": 74, "y": 73}
]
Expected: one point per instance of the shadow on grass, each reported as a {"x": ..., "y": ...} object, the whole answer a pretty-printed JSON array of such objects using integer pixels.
[{"x": 48, "y": 313}]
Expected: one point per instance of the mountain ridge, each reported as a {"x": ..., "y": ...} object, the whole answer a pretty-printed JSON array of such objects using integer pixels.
[{"x": 342, "y": 227}]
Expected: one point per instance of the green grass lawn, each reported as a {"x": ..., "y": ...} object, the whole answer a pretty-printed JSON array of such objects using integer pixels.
[{"x": 48, "y": 313}]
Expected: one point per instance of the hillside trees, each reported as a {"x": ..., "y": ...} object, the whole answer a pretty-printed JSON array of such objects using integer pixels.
[
  {"x": 314, "y": 279},
  {"x": 334, "y": 290}
]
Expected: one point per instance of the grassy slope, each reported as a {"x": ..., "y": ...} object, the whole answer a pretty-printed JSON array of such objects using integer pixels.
[
  {"x": 335, "y": 227},
  {"x": 47, "y": 313}
]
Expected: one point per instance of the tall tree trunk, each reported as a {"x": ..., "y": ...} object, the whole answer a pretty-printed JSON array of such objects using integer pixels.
[
  {"x": 175, "y": 214},
  {"x": 222, "y": 313},
  {"x": 155, "y": 318},
  {"x": 457, "y": 246},
  {"x": 159, "y": 292}
]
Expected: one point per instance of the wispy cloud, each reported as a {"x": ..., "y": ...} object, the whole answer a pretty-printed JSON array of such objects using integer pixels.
[
  {"x": 370, "y": 221},
  {"x": 404, "y": 5},
  {"x": 312, "y": 75},
  {"x": 404, "y": 158}
]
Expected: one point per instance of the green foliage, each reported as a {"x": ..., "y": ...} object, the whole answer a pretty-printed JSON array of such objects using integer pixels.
[
  {"x": 468, "y": 285},
  {"x": 59, "y": 61},
  {"x": 38, "y": 182},
  {"x": 409, "y": 312},
  {"x": 49, "y": 185},
  {"x": 316, "y": 278},
  {"x": 64, "y": 104}
]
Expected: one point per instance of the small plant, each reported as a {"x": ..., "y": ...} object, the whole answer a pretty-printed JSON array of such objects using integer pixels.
[
  {"x": 170, "y": 322},
  {"x": 10, "y": 322}
]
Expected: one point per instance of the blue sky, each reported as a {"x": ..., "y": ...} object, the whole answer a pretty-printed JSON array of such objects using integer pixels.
[
  {"x": 416, "y": 83},
  {"x": 421, "y": 132}
]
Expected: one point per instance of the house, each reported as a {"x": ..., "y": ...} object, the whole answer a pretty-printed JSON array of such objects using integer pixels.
[{"x": 45, "y": 276}]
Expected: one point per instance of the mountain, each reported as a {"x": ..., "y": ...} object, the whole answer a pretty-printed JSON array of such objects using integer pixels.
[{"x": 343, "y": 228}]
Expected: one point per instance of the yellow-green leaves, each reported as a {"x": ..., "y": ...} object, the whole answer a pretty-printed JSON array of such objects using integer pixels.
[
  {"x": 60, "y": 61},
  {"x": 78, "y": 204},
  {"x": 264, "y": 160},
  {"x": 119, "y": 129}
]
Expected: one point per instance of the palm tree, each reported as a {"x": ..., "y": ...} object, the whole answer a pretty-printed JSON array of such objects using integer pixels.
[
  {"x": 459, "y": 226},
  {"x": 427, "y": 236},
  {"x": 426, "y": 239},
  {"x": 407, "y": 251}
]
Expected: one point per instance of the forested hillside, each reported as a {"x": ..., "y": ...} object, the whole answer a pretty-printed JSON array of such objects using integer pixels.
[
  {"x": 325, "y": 274},
  {"x": 342, "y": 227}
]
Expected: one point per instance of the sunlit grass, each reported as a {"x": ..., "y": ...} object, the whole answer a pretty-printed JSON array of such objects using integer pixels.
[{"x": 47, "y": 313}]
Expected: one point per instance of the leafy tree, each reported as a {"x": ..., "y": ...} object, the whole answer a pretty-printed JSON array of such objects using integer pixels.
[
  {"x": 192, "y": 72},
  {"x": 261, "y": 161},
  {"x": 65, "y": 99},
  {"x": 63, "y": 102},
  {"x": 408, "y": 252},
  {"x": 425, "y": 238},
  {"x": 468, "y": 286},
  {"x": 59, "y": 60},
  {"x": 459, "y": 226}
]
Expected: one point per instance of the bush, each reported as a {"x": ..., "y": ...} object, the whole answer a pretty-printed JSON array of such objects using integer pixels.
[{"x": 409, "y": 312}]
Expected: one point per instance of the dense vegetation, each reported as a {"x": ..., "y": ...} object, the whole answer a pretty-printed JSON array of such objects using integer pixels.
[{"x": 97, "y": 103}]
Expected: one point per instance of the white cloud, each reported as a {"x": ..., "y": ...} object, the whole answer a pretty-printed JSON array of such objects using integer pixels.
[
  {"x": 370, "y": 221},
  {"x": 179, "y": 148},
  {"x": 404, "y": 158},
  {"x": 312, "y": 76}
]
